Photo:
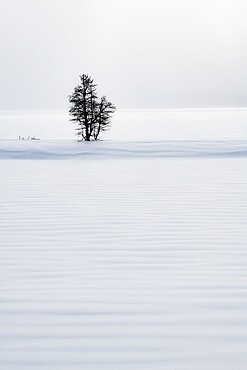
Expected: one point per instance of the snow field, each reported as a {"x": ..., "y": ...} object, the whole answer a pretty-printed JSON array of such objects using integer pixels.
[{"x": 123, "y": 262}]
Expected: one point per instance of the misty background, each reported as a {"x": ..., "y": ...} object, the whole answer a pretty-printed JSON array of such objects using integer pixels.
[{"x": 142, "y": 54}]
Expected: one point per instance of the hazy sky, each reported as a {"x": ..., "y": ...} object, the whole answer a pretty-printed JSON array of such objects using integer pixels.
[{"x": 142, "y": 54}]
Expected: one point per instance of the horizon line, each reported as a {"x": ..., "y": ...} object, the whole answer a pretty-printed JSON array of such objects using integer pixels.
[{"x": 126, "y": 109}]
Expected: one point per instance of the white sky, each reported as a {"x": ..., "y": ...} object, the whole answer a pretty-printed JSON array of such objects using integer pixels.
[{"x": 143, "y": 54}]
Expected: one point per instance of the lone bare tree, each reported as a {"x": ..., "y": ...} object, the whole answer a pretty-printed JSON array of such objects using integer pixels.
[{"x": 91, "y": 115}]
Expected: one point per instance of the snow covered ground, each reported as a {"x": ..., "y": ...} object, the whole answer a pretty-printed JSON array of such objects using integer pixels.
[
  {"x": 125, "y": 254},
  {"x": 133, "y": 125}
]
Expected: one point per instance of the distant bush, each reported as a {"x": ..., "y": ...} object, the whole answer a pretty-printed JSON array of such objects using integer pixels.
[
  {"x": 90, "y": 114},
  {"x": 28, "y": 138}
]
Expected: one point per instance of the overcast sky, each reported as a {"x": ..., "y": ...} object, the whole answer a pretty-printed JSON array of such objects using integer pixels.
[{"x": 142, "y": 54}]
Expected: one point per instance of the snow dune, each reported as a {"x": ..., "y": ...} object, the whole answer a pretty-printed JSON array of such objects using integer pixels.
[
  {"x": 136, "y": 261},
  {"x": 67, "y": 149},
  {"x": 124, "y": 255}
]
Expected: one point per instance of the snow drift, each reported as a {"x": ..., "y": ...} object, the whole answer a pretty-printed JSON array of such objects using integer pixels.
[
  {"x": 67, "y": 149},
  {"x": 124, "y": 263},
  {"x": 131, "y": 255}
]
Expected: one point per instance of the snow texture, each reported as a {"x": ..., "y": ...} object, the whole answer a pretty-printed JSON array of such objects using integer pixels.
[
  {"x": 65, "y": 149},
  {"x": 123, "y": 255}
]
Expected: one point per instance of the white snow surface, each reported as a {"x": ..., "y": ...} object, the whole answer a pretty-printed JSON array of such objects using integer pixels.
[
  {"x": 124, "y": 255},
  {"x": 68, "y": 149}
]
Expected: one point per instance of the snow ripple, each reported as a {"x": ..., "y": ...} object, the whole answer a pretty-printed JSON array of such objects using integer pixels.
[
  {"x": 67, "y": 149},
  {"x": 123, "y": 264}
]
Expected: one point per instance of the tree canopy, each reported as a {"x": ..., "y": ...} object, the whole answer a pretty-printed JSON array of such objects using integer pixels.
[{"x": 91, "y": 114}]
